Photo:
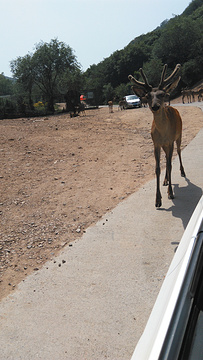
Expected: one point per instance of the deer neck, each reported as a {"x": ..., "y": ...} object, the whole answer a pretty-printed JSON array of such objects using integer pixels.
[{"x": 161, "y": 120}]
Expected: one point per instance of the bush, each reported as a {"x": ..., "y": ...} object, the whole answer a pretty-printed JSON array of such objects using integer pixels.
[{"x": 8, "y": 108}]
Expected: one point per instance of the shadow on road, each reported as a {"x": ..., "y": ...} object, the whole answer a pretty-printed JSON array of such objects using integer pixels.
[{"x": 185, "y": 201}]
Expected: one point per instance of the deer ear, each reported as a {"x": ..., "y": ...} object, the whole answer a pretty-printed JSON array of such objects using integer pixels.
[
  {"x": 171, "y": 86},
  {"x": 139, "y": 92}
]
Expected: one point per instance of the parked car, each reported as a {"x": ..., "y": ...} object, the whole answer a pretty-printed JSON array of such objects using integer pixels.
[{"x": 132, "y": 101}]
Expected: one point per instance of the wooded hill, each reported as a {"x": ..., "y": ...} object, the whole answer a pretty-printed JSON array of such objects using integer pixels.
[{"x": 178, "y": 40}]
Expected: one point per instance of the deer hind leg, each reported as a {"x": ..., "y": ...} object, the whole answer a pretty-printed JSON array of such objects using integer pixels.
[
  {"x": 169, "y": 152},
  {"x": 178, "y": 143},
  {"x": 157, "y": 152}
]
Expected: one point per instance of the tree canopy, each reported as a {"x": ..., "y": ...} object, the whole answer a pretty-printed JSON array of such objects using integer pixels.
[
  {"x": 45, "y": 69},
  {"x": 6, "y": 85}
]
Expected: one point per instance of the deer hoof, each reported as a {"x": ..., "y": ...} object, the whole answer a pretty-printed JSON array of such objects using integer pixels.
[
  {"x": 158, "y": 203},
  {"x": 165, "y": 183},
  {"x": 170, "y": 196}
]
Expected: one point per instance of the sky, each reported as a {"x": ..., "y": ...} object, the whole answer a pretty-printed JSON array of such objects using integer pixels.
[{"x": 94, "y": 29}]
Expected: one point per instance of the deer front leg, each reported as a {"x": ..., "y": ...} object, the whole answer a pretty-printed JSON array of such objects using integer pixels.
[
  {"x": 157, "y": 151},
  {"x": 169, "y": 153}
]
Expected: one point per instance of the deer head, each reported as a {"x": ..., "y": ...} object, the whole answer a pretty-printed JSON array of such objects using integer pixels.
[{"x": 156, "y": 96}]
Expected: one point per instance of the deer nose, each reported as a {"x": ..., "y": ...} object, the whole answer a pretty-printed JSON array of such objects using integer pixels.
[{"x": 155, "y": 107}]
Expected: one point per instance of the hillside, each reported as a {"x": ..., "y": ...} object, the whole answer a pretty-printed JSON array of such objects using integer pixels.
[{"x": 109, "y": 78}]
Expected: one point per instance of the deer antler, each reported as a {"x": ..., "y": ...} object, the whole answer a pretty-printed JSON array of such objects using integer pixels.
[
  {"x": 163, "y": 76},
  {"x": 140, "y": 84},
  {"x": 145, "y": 79},
  {"x": 164, "y": 82}
]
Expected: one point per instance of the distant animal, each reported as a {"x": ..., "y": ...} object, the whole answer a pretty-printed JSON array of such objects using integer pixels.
[
  {"x": 188, "y": 94},
  {"x": 195, "y": 93},
  {"x": 121, "y": 105},
  {"x": 166, "y": 125},
  {"x": 110, "y": 103}
]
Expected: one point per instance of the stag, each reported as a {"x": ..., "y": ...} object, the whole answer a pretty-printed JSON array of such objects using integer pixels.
[
  {"x": 188, "y": 94},
  {"x": 166, "y": 125}
]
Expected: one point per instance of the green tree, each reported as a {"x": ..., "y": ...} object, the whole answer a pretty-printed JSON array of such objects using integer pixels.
[
  {"x": 22, "y": 69},
  {"x": 194, "y": 4},
  {"x": 94, "y": 80},
  {"x": 122, "y": 90},
  {"x": 50, "y": 62},
  {"x": 190, "y": 72},
  {"x": 153, "y": 70},
  {"x": 108, "y": 93},
  {"x": 6, "y": 85},
  {"x": 178, "y": 42},
  {"x": 70, "y": 80}
]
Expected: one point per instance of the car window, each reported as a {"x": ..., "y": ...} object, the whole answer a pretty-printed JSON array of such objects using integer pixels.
[{"x": 131, "y": 97}]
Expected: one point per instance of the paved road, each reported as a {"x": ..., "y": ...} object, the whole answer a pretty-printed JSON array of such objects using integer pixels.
[
  {"x": 196, "y": 103},
  {"x": 93, "y": 301}
]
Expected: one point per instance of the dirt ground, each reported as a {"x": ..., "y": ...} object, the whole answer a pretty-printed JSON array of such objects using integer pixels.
[{"x": 59, "y": 175}]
